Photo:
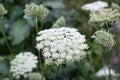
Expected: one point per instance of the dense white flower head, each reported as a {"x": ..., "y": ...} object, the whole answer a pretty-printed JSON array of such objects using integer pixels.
[
  {"x": 105, "y": 71},
  {"x": 61, "y": 45},
  {"x": 94, "y": 6},
  {"x": 23, "y": 63}
]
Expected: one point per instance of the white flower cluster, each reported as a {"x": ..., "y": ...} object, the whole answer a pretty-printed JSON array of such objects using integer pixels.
[
  {"x": 104, "y": 16},
  {"x": 23, "y": 63},
  {"x": 95, "y": 6},
  {"x": 104, "y": 71},
  {"x": 61, "y": 45}
]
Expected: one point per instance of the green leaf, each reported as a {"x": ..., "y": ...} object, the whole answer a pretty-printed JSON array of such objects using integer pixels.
[
  {"x": 4, "y": 67},
  {"x": 54, "y": 4},
  {"x": 15, "y": 13},
  {"x": 19, "y": 31}
]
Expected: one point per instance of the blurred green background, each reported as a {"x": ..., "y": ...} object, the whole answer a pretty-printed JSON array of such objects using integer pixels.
[{"x": 21, "y": 36}]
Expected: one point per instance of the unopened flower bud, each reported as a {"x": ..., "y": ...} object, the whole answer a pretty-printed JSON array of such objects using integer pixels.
[
  {"x": 59, "y": 23},
  {"x": 32, "y": 10},
  {"x": 3, "y": 11},
  {"x": 104, "y": 38}
]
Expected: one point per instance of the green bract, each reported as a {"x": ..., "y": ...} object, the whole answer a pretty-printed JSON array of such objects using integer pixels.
[
  {"x": 104, "y": 38},
  {"x": 3, "y": 11},
  {"x": 104, "y": 17},
  {"x": 59, "y": 23},
  {"x": 35, "y": 76},
  {"x": 32, "y": 11}
]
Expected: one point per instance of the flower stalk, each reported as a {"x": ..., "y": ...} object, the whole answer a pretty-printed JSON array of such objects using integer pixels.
[
  {"x": 6, "y": 41},
  {"x": 36, "y": 24},
  {"x": 57, "y": 71},
  {"x": 39, "y": 56},
  {"x": 103, "y": 63}
]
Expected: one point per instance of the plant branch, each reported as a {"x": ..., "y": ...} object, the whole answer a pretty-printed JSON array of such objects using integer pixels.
[{"x": 5, "y": 38}]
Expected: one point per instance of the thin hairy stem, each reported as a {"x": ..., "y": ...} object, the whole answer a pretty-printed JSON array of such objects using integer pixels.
[
  {"x": 104, "y": 64},
  {"x": 36, "y": 25},
  {"x": 109, "y": 73},
  {"x": 9, "y": 73},
  {"x": 6, "y": 41},
  {"x": 40, "y": 61},
  {"x": 108, "y": 52},
  {"x": 57, "y": 71},
  {"x": 96, "y": 27},
  {"x": 10, "y": 76},
  {"x": 107, "y": 27},
  {"x": 39, "y": 55},
  {"x": 90, "y": 60}
]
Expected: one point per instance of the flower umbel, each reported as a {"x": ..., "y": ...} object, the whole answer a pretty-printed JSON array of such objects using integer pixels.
[
  {"x": 104, "y": 16},
  {"x": 95, "y": 6},
  {"x": 32, "y": 11},
  {"x": 3, "y": 11},
  {"x": 104, "y": 38},
  {"x": 59, "y": 23},
  {"x": 61, "y": 45},
  {"x": 23, "y": 63}
]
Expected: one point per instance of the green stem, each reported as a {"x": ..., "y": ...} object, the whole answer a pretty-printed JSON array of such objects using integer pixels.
[
  {"x": 109, "y": 73},
  {"x": 103, "y": 63},
  {"x": 57, "y": 71},
  {"x": 36, "y": 25},
  {"x": 108, "y": 51},
  {"x": 96, "y": 27},
  {"x": 90, "y": 60},
  {"x": 39, "y": 56},
  {"x": 40, "y": 61},
  {"x": 109, "y": 77},
  {"x": 107, "y": 27},
  {"x": 10, "y": 76},
  {"x": 9, "y": 73},
  {"x": 5, "y": 38}
]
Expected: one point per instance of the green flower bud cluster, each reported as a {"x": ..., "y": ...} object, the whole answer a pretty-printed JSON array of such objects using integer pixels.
[
  {"x": 115, "y": 6},
  {"x": 104, "y": 38},
  {"x": 32, "y": 11},
  {"x": 104, "y": 16},
  {"x": 59, "y": 23},
  {"x": 3, "y": 11},
  {"x": 35, "y": 76}
]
